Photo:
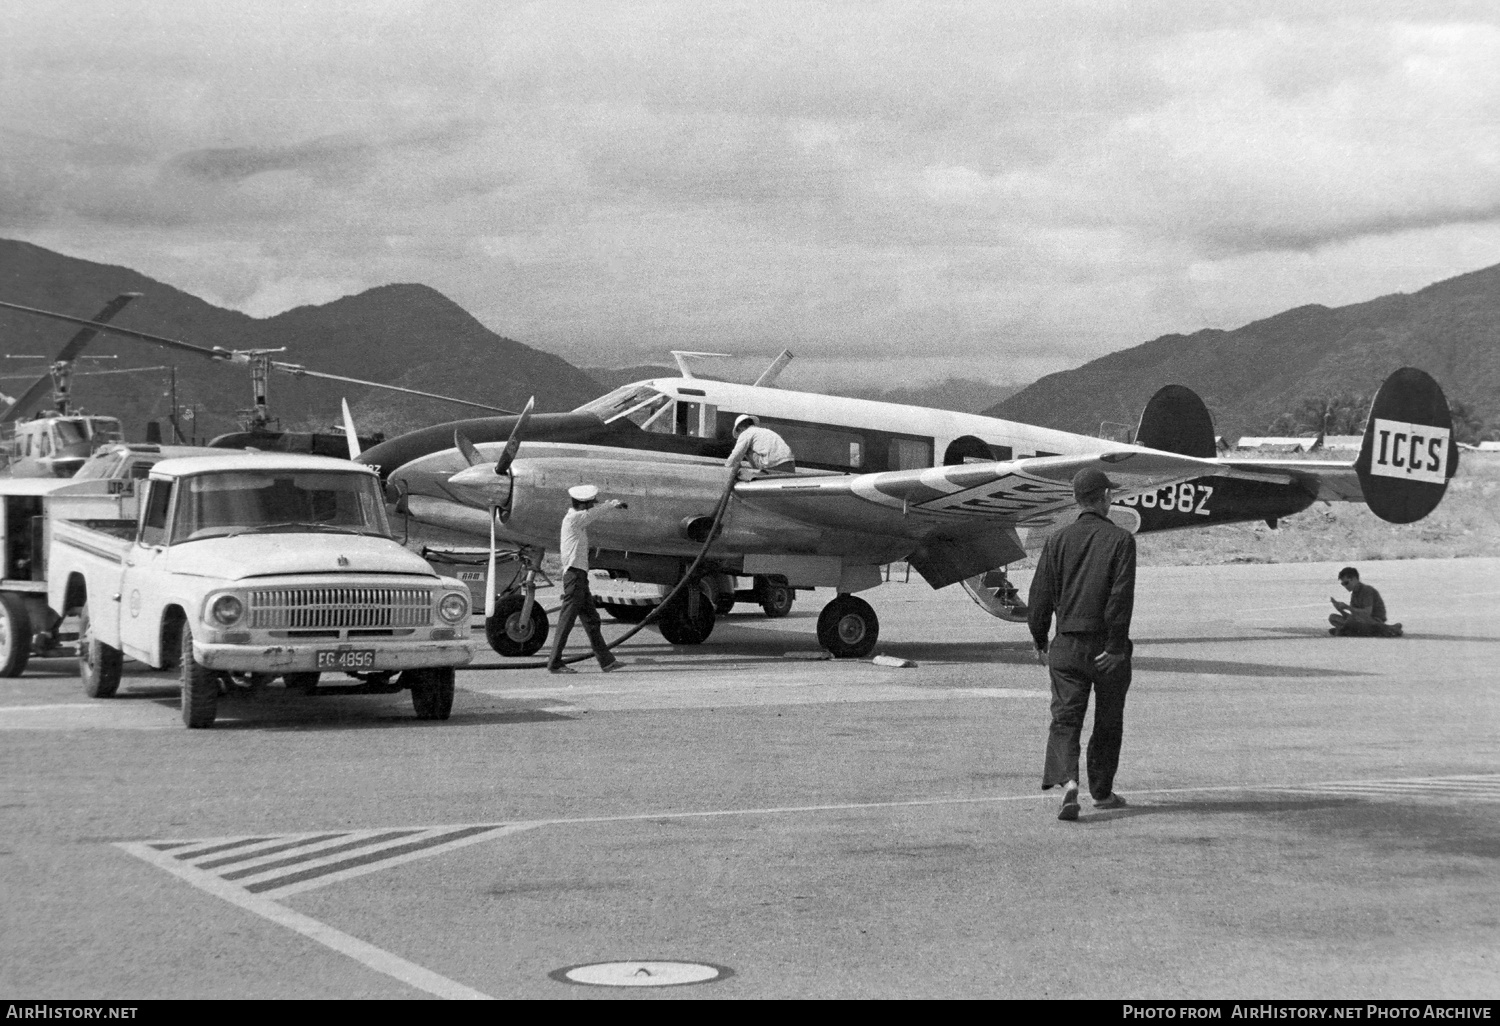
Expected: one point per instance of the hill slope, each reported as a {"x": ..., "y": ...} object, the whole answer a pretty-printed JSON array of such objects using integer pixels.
[
  {"x": 407, "y": 335},
  {"x": 1250, "y": 375}
]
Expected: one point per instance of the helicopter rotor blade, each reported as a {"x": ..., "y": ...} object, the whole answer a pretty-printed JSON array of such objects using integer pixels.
[
  {"x": 234, "y": 356},
  {"x": 66, "y": 355}
]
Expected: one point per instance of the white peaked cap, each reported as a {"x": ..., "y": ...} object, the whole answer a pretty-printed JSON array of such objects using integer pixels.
[
  {"x": 583, "y": 493},
  {"x": 744, "y": 419}
]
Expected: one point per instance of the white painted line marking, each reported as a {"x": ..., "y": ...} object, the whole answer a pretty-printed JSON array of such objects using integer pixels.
[
  {"x": 380, "y": 960},
  {"x": 349, "y": 874}
]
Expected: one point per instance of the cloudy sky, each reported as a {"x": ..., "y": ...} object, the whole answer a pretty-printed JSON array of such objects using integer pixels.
[{"x": 893, "y": 190}]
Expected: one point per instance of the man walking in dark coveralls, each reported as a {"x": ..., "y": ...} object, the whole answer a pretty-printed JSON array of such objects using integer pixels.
[{"x": 1086, "y": 576}]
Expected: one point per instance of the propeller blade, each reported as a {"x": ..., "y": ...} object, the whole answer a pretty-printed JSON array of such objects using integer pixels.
[
  {"x": 462, "y": 444},
  {"x": 489, "y": 577},
  {"x": 350, "y": 435},
  {"x": 513, "y": 443}
]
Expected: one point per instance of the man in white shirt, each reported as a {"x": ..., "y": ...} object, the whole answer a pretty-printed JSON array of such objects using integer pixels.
[
  {"x": 765, "y": 449},
  {"x": 578, "y": 602}
]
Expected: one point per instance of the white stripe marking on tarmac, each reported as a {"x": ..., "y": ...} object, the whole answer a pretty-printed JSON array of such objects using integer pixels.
[{"x": 379, "y": 959}]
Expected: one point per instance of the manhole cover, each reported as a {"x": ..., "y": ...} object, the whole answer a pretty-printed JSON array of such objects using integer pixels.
[{"x": 643, "y": 973}]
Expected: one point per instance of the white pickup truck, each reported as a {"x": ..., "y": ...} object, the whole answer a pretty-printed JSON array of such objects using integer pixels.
[{"x": 243, "y": 567}]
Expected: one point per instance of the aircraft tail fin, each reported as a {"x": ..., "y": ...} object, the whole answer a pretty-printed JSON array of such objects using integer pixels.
[
  {"x": 1175, "y": 420},
  {"x": 1408, "y": 454}
]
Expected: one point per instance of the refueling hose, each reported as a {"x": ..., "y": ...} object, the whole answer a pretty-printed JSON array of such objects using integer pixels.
[{"x": 687, "y": 576}]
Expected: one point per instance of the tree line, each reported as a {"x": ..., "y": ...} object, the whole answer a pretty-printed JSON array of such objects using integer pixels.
[{"x": 1344, "y": 413}]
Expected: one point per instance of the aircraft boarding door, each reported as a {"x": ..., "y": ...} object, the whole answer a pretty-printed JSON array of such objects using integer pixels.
[
  {"x": 697, "y": 419},
  {"x": 140, "y": 631}
]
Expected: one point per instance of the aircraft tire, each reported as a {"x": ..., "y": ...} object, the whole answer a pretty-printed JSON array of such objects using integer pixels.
[
  {"x": 776, "y": 599},
  {"x": 681, "y": 628},
  {"x": 724, "y": 604},
  {"x": 200, "y": 687},
  {"x": 99, "y": 665},
  {"x": 508, "y": 635},
  {"x": 432, "y": 693},
  {"x": 626, "y": 612},
  {"x": 848, "y": 627},
  {"x": 15, "y": 636}
]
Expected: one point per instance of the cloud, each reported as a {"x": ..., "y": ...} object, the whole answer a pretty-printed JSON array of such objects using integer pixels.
[{"x": 1007, "y": 185}]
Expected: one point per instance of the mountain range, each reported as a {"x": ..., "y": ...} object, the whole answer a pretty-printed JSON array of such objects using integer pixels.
[
  {"x": 412, "y": 335},
  {"x": 408, "y": 335},
  {"x": 1251, "y": 375}
]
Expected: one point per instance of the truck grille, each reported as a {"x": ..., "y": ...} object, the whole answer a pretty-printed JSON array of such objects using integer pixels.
[{"x": 339, "y": 608}]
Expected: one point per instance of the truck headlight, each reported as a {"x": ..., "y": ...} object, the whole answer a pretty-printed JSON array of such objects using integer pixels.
[
  {"x": 226, "y": 611},
  {"x": 454, "y": 607}
]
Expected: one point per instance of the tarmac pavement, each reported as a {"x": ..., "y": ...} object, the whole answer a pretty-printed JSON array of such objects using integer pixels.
[{"x": 1310, "y": 817}]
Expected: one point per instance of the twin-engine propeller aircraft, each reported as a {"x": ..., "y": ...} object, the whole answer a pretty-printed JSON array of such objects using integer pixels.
[{"x": 957, "y": 496}]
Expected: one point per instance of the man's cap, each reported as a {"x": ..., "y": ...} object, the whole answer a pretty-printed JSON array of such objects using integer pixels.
[
  {"x": 1089, "y": 482},
  {"x": 583, "y": 493},
  {"x": 745, "y": 420}
]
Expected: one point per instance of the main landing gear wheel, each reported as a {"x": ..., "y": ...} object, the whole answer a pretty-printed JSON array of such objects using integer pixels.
[
  {"x": 432, "y": 692},
  {"x": 776, "y": 599},
  {"x": 99, "y": 665},
  {"x": 15, "y": 636},
  {"x": 848, "y": 627},
  {"x": 200, "y": 686},
  {"x": 509, "y": 635},
  {"x": 681, "y": 625},
  {"x": 724, "y": 604},
  {"x": 625, "y": 612}
]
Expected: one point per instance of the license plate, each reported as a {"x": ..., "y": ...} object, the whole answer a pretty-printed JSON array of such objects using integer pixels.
[{"x": 345, "y": 659}]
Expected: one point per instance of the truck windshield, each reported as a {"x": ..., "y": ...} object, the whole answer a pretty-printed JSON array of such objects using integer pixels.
[{"x": 242, "y": 502}]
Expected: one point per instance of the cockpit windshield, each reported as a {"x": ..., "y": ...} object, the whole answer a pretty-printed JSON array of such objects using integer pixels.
[
  {"x": 270, "y": 501},
  {"x": 642, "y": 405}
]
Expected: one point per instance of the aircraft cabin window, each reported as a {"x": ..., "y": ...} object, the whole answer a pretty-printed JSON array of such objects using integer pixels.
[
  {"x": 697, "y": 419},
  {"x": 909, "y": 454},
  {"x": 619, "y": 402}
]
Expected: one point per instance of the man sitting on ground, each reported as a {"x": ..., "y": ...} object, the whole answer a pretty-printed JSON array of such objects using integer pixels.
[{"x": 1363, "y": 616}]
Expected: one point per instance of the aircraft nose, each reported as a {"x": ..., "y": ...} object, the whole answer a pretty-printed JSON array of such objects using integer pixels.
[{"x": 482, "y": 483}]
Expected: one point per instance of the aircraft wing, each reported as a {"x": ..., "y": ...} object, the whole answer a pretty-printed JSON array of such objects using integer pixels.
[
  {"x": 1019, "y": 493},
  {"x": 1328, "y": 480},
  {"x": 961, "y": 520}
]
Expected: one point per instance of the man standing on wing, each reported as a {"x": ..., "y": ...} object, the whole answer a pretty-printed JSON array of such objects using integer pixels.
[
  {"x": 765, "y": 449},
  {"x": 1086, "y": 576},
  {"x": 577, "y": 600}
]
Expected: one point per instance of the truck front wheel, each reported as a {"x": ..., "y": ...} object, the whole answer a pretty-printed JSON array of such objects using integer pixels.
[
  {"x": 15, "y": 635},
  {"x": 200, "y": 686},
  {"x": 432, "y": 692},
  {"x": 98, "y": 664}
]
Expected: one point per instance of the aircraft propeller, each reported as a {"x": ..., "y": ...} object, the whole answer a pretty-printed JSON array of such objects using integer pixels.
[{"x": 499, "y": 507}]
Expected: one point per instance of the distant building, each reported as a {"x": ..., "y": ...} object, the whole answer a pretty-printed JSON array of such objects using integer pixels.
[
  {"x": 1273, "y": 443},
  {"x": 1343, "y": 442}
]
